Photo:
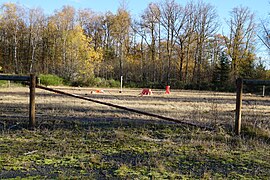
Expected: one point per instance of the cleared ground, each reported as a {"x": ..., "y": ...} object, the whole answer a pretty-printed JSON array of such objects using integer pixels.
[{"x": 81, "y": 139}]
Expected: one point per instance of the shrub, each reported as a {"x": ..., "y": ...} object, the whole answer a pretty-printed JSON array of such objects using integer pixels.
[
  {"x": 3, "y": 83},
  {"x": 98, "y": 82},
  {"x": 179, "y": 85},
  {"x": 131, "y": 84},
  {"x": 51, "y": 80},
  {"x": 84, "y": 81},
  {"x": 101, "y": 82},
  {"x": 114, "y": 83}
]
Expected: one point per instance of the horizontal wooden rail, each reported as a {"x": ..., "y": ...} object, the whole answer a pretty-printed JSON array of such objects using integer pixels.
[
  {"x": 255, "y": 82},
  {"x": 126, "y": 108},
  {"x": 14, "y": 78}
]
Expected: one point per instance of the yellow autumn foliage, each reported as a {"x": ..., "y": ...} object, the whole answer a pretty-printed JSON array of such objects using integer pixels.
[{"x": 80, "y": 52}]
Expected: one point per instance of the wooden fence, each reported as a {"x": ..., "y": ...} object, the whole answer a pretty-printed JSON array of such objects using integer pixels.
[
  {"x": 239, "y": 93},
  {"x": 32, "y": 86}
]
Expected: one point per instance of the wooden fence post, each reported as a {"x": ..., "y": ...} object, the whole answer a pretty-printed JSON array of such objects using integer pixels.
[
  {"x": 239, "y": 92},
  {"x": 32, "y": 108}
]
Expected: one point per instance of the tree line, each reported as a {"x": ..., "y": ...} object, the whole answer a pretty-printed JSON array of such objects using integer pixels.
[{"x": 169, "y": 44}]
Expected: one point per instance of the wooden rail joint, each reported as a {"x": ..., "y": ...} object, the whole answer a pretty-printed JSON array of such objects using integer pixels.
[
  {"x": 239, "y": 93},
  {"x": 256, "y": 82}
]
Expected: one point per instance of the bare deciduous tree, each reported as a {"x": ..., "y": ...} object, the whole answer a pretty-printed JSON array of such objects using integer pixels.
[
  {"x": 205, "y": 28},
  {"x": 36, "y": 26},
  {"x": 169, "y": 15},
  {"x": 240, "y": 43}
]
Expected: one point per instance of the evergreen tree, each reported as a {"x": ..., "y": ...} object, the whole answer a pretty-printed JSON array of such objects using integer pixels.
[
  {"x": 260, "y": 71},
  {"x": 221, "y": 73}
]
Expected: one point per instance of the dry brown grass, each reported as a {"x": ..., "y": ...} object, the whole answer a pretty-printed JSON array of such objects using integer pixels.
[
  {"x": 79, "y": 139},
  {"x": 203, "y": 107}
]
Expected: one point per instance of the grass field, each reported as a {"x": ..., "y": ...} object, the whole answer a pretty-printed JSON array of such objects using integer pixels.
[{"x": 76, "y": 139}]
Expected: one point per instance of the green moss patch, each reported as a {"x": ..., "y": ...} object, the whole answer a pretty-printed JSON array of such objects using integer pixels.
[{"x": 124, "y": 150}]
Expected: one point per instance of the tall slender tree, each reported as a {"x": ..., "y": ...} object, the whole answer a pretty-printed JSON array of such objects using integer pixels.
[
  {"x": 12, "y": 24},
  {"x": 240, "y": 44},
  {"x": 169, "y": 13},
  {"x": 36, "y": 26},
  {"x": 205, "y": 28},
  {"x": 120, "y": 32}
]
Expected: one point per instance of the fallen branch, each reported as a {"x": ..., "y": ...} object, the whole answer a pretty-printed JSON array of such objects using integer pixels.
[{"x": 31, "y": 152}]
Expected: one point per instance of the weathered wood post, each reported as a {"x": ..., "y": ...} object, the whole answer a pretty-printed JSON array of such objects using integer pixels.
[
  {"x": 32, "y": 106},
  {"x": 239, "y": 92}
]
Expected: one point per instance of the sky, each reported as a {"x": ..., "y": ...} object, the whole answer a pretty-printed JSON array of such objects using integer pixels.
[{"x": 136, "y": 7}]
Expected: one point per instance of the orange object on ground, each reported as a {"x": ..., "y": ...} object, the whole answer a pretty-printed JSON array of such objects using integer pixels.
[
  {"x": 97, "y": 91},
  {"x": 146, "y": 92},
  {"x": 167, "y": 90}
]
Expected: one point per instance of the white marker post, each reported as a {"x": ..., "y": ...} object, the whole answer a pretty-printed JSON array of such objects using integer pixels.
[
  {"x": 263, "y": 91},
  {"x": 121, "y": 88}
]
